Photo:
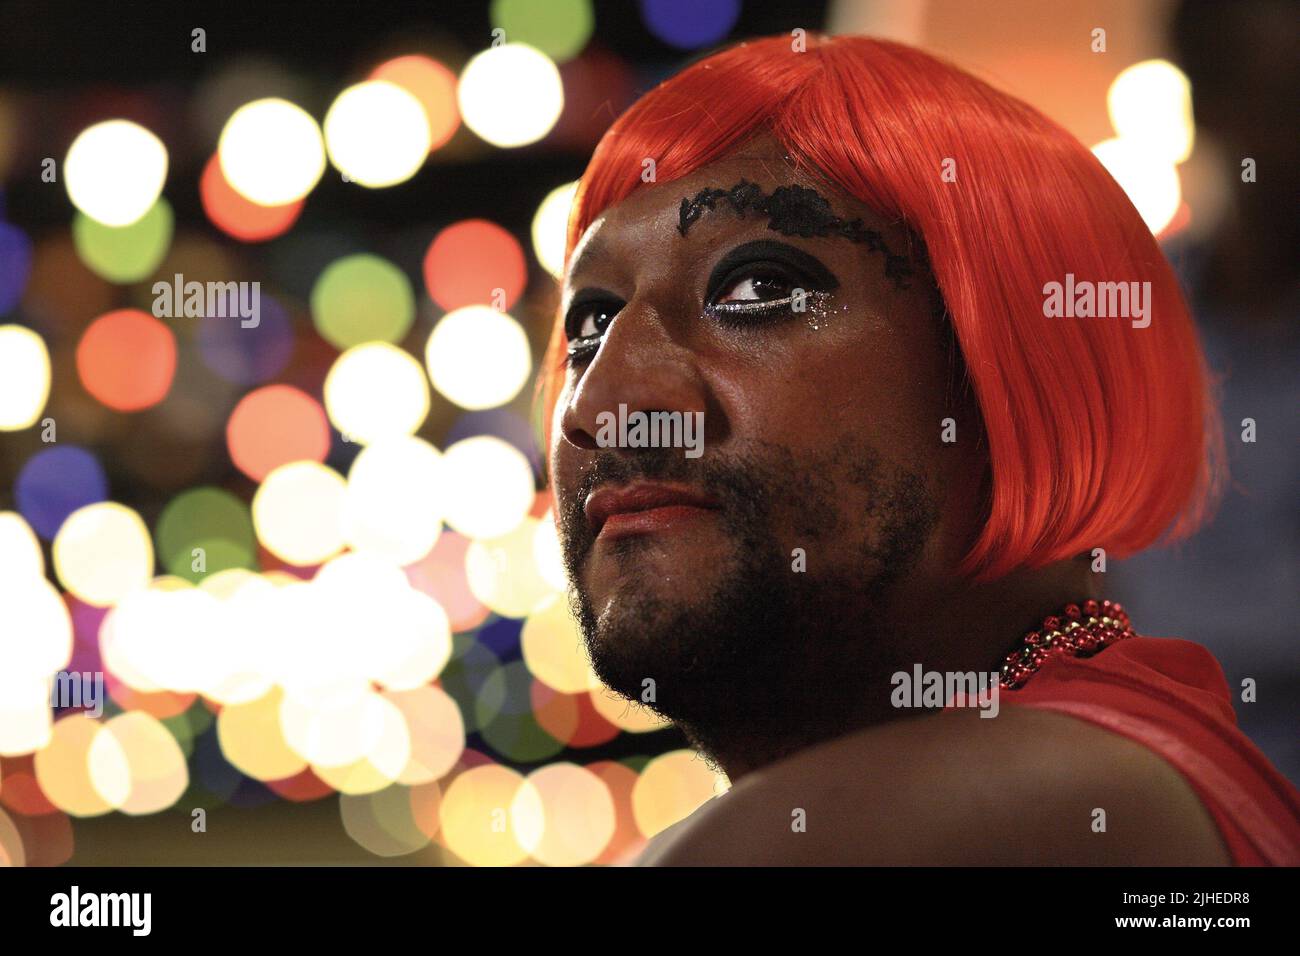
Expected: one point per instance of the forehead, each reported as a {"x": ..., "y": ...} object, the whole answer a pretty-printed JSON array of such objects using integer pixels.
[{"x": 656, "y": 209}]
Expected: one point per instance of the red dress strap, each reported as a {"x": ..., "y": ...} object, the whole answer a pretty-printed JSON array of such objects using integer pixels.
[{"x": 1171, "y": 696}]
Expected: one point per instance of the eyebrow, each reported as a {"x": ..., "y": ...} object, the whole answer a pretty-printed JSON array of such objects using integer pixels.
[
  {"x": 594, "y": 250},
  {"x": 793, "y": 211}
]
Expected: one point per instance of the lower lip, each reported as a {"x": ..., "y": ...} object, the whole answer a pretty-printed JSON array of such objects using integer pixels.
[{"x": 650, "y": 521}]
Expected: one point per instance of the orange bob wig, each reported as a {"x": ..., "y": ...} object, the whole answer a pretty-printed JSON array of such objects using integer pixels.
[{"x": 1099, "y": 433}]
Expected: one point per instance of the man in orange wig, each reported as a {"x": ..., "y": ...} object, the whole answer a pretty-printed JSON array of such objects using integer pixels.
[{"x": 943, "y": 373}]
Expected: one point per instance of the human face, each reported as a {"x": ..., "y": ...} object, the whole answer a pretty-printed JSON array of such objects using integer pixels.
[{"x": 823, "y": 478}]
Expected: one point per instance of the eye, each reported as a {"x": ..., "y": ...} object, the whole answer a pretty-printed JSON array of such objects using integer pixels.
[
  {"x": 763, "y": 281},
  {"x": 757, "y": 285},
  {"x": 593, "y": 321},
  {"x": 585, "y": 323}
]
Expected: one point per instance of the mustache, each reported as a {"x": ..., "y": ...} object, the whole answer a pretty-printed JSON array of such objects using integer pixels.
[
  {"x": 733, "y": 484},
  {"x": 611, "y": 467}
]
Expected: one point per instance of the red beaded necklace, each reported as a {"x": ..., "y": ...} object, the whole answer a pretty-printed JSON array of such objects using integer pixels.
[{"x": 1080, "y": 630}]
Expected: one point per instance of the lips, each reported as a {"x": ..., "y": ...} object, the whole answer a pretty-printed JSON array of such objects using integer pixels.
[{"x": 643, "y": 506}]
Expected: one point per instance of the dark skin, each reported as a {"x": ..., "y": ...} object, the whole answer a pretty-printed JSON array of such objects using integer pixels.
[{"x": 797, "y": 703}]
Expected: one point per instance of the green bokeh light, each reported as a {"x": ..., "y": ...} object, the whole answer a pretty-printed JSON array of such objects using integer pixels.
[
  {"x": 211, "y": 519},
  {"x": 469, "y": 669},
  {"x": 362, "y": 298},
  {"x": 559, "y": 28},
  {"x": 503, "y": 711},
  {"x": 127, "y": 254}
]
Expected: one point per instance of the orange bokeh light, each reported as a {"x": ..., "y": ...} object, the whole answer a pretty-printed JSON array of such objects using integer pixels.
[
  {"x": 162, "y": 704},
  {"x": 239, "y": 217},
  {"x": 302, "y": 787},
  {"x": 555, "y": 713},
  {"x": 467, "y": 261},
  {"x": 433, "y": 85},
  {"x": 273, "y": 426},
  {"x": 627, "y": 840},
  {"x": 127, "y": 359},
  {"x": 441, "y": 575}
]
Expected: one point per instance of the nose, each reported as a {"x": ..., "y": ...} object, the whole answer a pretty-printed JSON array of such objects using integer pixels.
[{"x": 639, "y": 364}]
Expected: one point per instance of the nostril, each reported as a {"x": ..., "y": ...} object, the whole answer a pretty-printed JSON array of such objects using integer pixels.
[{"x": 580, "y": 438}]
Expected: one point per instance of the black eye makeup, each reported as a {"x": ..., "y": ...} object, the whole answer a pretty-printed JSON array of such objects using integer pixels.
[
  {"x": 589, "y": 314},
  {"x": 755, "y": 283},
  {"x": 764, "y": 280}
]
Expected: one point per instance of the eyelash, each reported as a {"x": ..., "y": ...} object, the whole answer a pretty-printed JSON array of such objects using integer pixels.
[{"x": 731, "y": 314}]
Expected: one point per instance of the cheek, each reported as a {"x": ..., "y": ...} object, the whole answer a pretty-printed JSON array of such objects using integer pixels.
[
  {"x": 889, "y": 382},
  {"x": 561, "y": 456},
  {"x": 868, "y": 382}
]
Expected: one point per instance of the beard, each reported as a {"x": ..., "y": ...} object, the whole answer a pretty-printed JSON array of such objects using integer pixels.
[{"x": 772, "y": 659}]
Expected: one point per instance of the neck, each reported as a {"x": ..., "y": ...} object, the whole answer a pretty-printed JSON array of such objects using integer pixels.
[{"x": 945, "y": 627}]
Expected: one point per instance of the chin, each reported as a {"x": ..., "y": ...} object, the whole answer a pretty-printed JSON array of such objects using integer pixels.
[{"x": 626, "y": 572}]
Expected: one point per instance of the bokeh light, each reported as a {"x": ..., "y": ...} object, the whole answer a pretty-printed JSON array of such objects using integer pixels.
[
  {"x": 376, "y": 391},
  {"x": 475, "y": 819},
  {"x": 488, "y": 485},
  {"x": 124, "y": 254},
  {"x": 127, "y": 359},
  {"x": 24, "y": 377},
  {"x": 1150, "y": 181},
  {"x": 553, "y": 648},
  {"x": 393, "y": 499},
  {"x": 64, "y": 772},
  {"x": 252, "y": 740},
  {"x": 271, "y": 152},
  {"x": 36, "y": 632},
  {"x": 103, "y": 552},
  {"x": 15, "y": 265},
  {"x": 559, "y": 28},
  {"x": 502, "y": 571},
  {"x": 550, "y": 227},
  {"x": 239, "y": 217},
  {"x": 11, "y": 843},
  {"x": 362, "y": 298},
  {"x": 114, "y": 171},
  {"x": 433, "y": 85},
  {"x": 690, "y": 24},
  {"x": 502, "y": 423},
  {"x": 274, "y": 426},
  {"x": 478, "y": 357},
  {"x": 157, "y": 774},
  {"x": 163, "y": 638},
  {"x": 1150, "y": 105},
  {"x": 377, "y": 133},
  {"x": 510, "y": 95},
  {"x": 507, "y": 719},
  {"x": 548, "y": 553},
  {"x": 474, "y": 262},
  {"x": 626, "y": 715},
  {"x": 437, "y": 732},
  {"x": 298, "y": 512},
  {"x": 337, "y": 733},
  {"x": 26, "y": 721},
  {"x": 204, "y": 531},
  {"x": 247, "y": 355},
  {"x": 565, "y": 815},
  {"x": 55, "y": 482},
  {"x": 671, "y": 787},
  {"x": 387, "y": 751},
  {"x": 411, "y": 642},
  {"x": 620, "y": 777},
  {"x": 384, "y": 822},
  {"x": 20, "y": 551},
  {"x": 441, "y": 575}
]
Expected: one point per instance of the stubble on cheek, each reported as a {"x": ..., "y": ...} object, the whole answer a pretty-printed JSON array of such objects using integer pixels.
[
  {"x": 642, "y": 575},
  {"x": 749, "y": 626}
]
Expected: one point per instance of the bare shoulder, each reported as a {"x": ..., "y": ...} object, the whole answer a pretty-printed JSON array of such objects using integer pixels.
[{"x": 1026, "y": 787}]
